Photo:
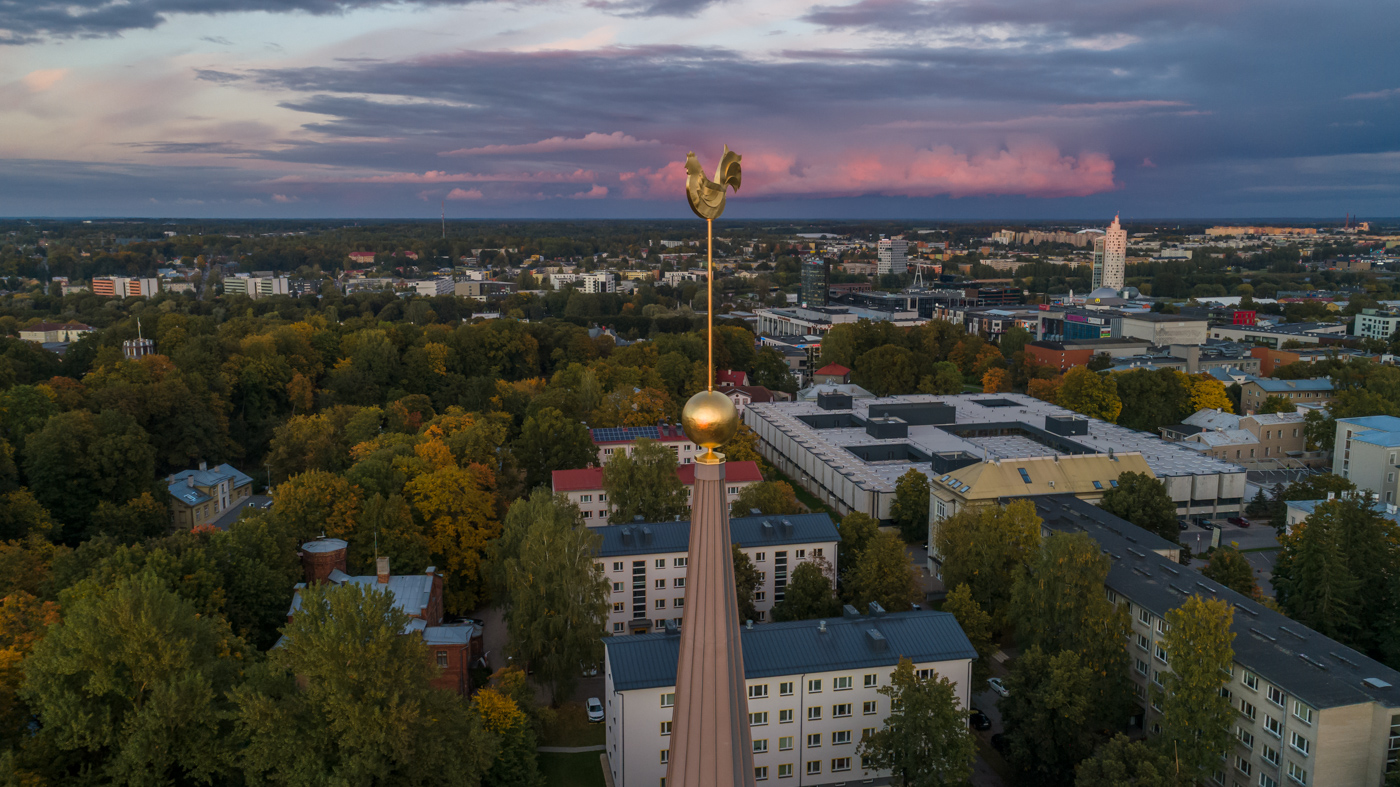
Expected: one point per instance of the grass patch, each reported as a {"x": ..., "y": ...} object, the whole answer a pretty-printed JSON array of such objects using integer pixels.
[
  {"x": 584, "y": 769},
  {"x": 1262, "y": 549},
  {"x": 570, "y": 727}
]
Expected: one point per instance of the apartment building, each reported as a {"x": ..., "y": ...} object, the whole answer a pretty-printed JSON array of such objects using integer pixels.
[
  {"x": 52, "y": 332},
  {"x": 202, "y": 496},
  {"x": 813, "y": 693},
  {"x": 429, "y": 288},
  {"x": 610, "y": 440},
  {"x": 1254, "y": 390},
  {"x": 1275, "y": 439},
  {"x": 645, "y": 563},
  {"x": 1365, "y": 452},
  {"x": 599, "y": 282},
  {"x": 1271, "y": 358},
  {"x": 584, "y": 487},
  {"x": 257, "y": 286},
  {"x": 893, "y": 255},
  {"x": 1309, "y": 710},
  {"x": 1110, "y": 257},
  {"x": 483, "y": 288},
  {"x": 1376, "y": 324},
  {"x": 125, "y": 287}
]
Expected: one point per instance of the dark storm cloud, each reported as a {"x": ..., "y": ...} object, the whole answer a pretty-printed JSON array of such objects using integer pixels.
[
  {"x": 679, "y": 8},
  {"x": 1032, "y": 18},
  {"x": 25, "y": 21}
]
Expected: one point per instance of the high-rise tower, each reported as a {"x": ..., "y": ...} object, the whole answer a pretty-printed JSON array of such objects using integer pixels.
[{"x": 1110, "y": 257}]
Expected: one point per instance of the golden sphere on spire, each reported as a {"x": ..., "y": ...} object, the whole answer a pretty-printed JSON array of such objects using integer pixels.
[{"x": 709, "y": 419}]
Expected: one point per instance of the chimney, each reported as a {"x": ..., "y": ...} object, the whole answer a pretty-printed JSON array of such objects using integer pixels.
[
  {"x": 821, "y": 627},
  {"x": 748, "y": 624},
  {"x": 383, "y": 567},
  {"x": 189, "y": 481},
  {"x": 876, "y": 610},
  {"x": 849, "y": 612},
  {"x": 203, "y": 465}
]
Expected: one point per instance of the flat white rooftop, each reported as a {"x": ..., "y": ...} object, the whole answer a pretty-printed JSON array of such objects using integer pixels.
[{"x": 1166, "y": 459}]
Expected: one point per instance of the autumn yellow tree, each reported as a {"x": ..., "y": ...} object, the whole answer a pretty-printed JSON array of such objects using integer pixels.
[
  {"x": 301, "y": 393},
  {"x": 633, "y": 408},
  {"x": 317, "y": 502},
  {"x": 458, "y": 508},
  {"x": 1208, "y": 393},
  {"x": 996, "y": 380},
  {"x": 23, "y": 619},
  {"x": 1045, "y": 390}
]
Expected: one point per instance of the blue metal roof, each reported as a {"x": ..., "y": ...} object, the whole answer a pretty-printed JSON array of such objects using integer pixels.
[
  {"x": 1309, "y": 506},
  {"x": 1271, "y": 385},
  {"x": 180, "y": 489},
  {"x": 1386, "y": 423},
  {"x": 1377, "y": 437},
  {"x": 644, "y": 661},
  {"x": 648, "y": 538}
]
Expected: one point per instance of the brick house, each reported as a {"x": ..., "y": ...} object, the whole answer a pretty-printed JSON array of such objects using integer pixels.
[{"x": 584, "y": 487}]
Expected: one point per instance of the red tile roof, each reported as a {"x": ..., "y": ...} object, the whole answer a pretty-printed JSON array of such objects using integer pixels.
[
  {"x": 756, "y": 393},
  {"x": 728, "y": 377},
  {"x": 592, "y": 477},
  {"x": 833, "y": 368}
]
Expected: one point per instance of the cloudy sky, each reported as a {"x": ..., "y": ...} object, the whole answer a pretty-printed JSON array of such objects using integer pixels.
[{"x": 586, "y": 108}]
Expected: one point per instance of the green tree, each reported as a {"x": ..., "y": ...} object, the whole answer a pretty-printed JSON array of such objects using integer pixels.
[
  {"x": 856, "y": 530},
  {"x": 132, "y": 685},
  {"x": 977, "y": 625},
  {"x": 21, "y": 515},
  {"x": 644, "y": 483},
  {"x": 1047, "y": 713},
  {"x": 1195, "y": 718},
  {"x": 925, "y": 741},
  {"x": 1275, "y": 404},
  {"x": 943, "y": 379},
  {"x": 1230, "y": 568},
  {"x": 348, "y": 699},
  {"x": 808, "y": 595},
  {"x": 515, "y": 763},
  {"x": 887, "y": 370},
  {"x": 769, "y": 497},
  {"x": 987, "y": 548},
  {"x": 555, "y": 597},
  {"x": 257, "y": 561},
  {"x": 1014, "y": 340},
  {"x": 77, "y": 460},
  {"x": 138, "y": 518},
  {"x": 1126, "y": 763},
  {"x": 883, "y": 574},
  {"x": 910, "y": 508},
  {"x": 1259, "y": 506},
  {"x": 1143, "y": 500},
  {"x": 1090, "y": 393},
  {"x": 747, "y": 579},
  {"x": 1159, "y": 397},
  {"x": 551, "y": 441},
  {"x": 1316, "y": 579}
]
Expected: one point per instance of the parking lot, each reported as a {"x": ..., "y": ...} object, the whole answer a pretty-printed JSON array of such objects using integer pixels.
[{"x": 1258, "y": 542}]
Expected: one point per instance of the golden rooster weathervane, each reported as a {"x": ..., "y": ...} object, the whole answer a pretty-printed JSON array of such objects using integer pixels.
[{"x": 709, "y": 418}]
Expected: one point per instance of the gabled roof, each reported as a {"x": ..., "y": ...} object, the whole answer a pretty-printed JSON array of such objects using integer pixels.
[
  {"x": 797, "y": 647},
  {"x": 1048, "y": 475},
  {"x": 747, "y": 531},
  {"x": 1212, "y": 418},
  {"x": 731, "y": 377},
  {"x": 1215, "y": 438},
  {"x": 833, "y": 368},
  {"x": 180, "y": 489},
  {"x": 411, "y": 592}
]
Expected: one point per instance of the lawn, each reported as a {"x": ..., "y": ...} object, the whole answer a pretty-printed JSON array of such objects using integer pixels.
[
  {"x": 570, "y": 727},
  {"x": 572, "y": 770}
]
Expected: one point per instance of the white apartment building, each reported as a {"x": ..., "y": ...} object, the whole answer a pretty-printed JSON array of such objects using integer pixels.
[
  {"x": 430, "y": 287},
  {"x": 1309, "y": 710},
  {"x": 611, "y": 440},
  {"x": 597, "y": 282},
  {"x": 256, "y": 286},
  {"x": 645, "y": 563},
  {"x": 1366, "y": 451},
  {"x": 893, "y": 255},
  {"x": 1375, "y": 324},
  {"x": 584, "y": 487},
  {"x": 1110, "y": 257},
  {"x": 812, "y": 686}
]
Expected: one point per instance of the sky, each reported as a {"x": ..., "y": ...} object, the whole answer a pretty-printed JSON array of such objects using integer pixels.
[{"x": 861, "y": 109}]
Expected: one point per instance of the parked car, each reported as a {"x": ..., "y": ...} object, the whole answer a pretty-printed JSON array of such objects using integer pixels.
[
  {"x": 1239, "y": 521},
  {"x": 979, "y": 720},
  {"x": 1182, "y": 524},
  {"x": 1206, "y": 524},
  {"x": 996, "y": 685},
  {"x": 595, "y": 710}
]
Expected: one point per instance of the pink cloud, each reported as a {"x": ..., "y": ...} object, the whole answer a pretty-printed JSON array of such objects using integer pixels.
[
  {"x": 597, "y": 192},
  {"x": 439, "y": 176},
  {"x": 590, "y": 141},
  {"x": 285, "y": 198},
  {"x": 464, "y": 194},
  {"x": 1034, "y": 170}
]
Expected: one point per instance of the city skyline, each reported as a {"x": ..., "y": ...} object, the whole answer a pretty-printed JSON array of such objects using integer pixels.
[{"x": 955, "y": 110}]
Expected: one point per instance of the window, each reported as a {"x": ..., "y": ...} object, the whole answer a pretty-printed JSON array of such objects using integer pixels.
[
  {"x": 619, "y": 606},
  {"x": 785, "y": 743},
  {"x": 1113, "y": 483},
  {"x": 799, "y": 554},
  {"x": 1141, "y": 666},
  {"x": 814, "y": 686},
  {"x": 1162, "y": 626},
  {"x": 442, "y": 659},
  {"x": 665, "y": 728},
  {"x": 841, "y": 711},
  {"x": 1145, "y": 617},
  {"x": 841, "y": 764},
  {"x": 1270, "y": 754},
  {"x": 661, "y": 603},
  {"x": 1247, "y": 709},
  {"x": 617, "y": 566},
  {"x": 668, "y": 700},
  {"x": 617, "y": 587},
  {"x": 814, "y": 740},
  {"x": 1243, "y": 765},
  {"x": 598, "y": 566},
  {"x": 1024, "y": 475},
  {"x": 1275, "y": 696},
  {"x": 759, "y": 719},
  {"x": 677, "y": 603},
  {"x": 1265, "y": 780},
  {"x": 814, "y": 713},
  {"x": 758, "y": 691},
  {"x": 785, "y": 688},
  {"x": 1274, "y": 726},
  {"x": 871, "y": 680},
  {"x": 1251, "y": 681},
  {"x": 817, "y": 552},
  {"x": 661, "y": 562},
  {"x": 660, "y": 584},
  {"x": 1141, "y": 642},
  {"x": 814, "y": 767},
  {"x": 1226, "y": 693},
  {"x": 665, "y": 756},
  {"x": 1300, "y": 744},
  {"x": 617, "y": 628},
  {"x": 785, "y": 716},
  {"x": 784, "y": 771},
  {"x": 1246, "y": 737},
  {"x": 842, "y": 684},
  {"x": 838, "y": 738},
  {"x": 760, "y": 773},
  {"x": 585, "y": 498},
  {"x": 759, "y": 557},
  {"x": 759, "y": 595},
  {"x": 760, "y": 746},
  {"x": 1302, "y": 712},
  {"x": 678, "y": 583},
  {"x": 679, "y": 562},
  {"x": 868, "y": 708},
  {"x": 1161, "y": 653},
  {"x": 1296, "y": 773},
  {"x": 1098, "y": 485}
]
